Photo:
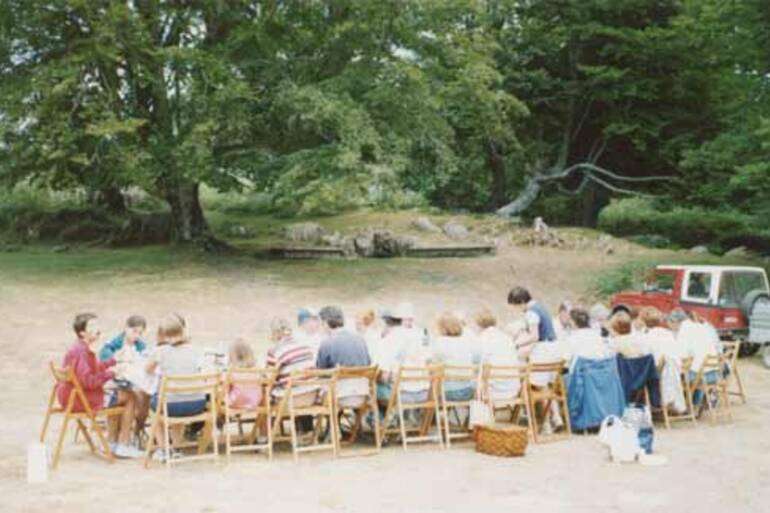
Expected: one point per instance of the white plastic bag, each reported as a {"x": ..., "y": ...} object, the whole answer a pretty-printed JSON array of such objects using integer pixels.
[
  {"x": 620, "y": 438},
  {"x": 37, "y": 463},
  {"x": 480, "y": 414}
]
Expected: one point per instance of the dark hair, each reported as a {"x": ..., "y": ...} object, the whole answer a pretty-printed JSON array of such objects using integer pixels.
[
  {"x": 136, "y": 321},
  {"x": 81, "y": 322},
  {"x": 580, "y": 317},
  {"x": 392, "y": 321},
  {"x": 519, "y": 296},
  {"x": 332, "y": 316}
]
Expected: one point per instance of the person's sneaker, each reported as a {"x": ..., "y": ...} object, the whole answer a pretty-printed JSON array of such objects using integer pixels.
[
  {"x": 159, "y": 455},
  {"x": 127, "y": 451}
]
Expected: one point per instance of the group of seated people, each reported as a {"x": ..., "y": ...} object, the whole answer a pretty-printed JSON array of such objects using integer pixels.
[{"x": 126, "y": 371}]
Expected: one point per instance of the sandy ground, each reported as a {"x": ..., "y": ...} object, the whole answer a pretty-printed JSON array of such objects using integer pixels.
[{"x": 710, "y": 468}]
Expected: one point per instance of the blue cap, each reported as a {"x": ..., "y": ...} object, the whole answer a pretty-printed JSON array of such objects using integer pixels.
[{"x": 305, "y": 314}]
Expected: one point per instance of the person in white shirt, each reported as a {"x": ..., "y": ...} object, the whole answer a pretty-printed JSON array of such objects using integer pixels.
[
  {"x": 563, "y": 324},
  {"x": 623, "y": 340},
  {"x": 494, "y": 347},
  {"x": 658, "y": 338},
  {"x": 400, "y": 346},
  {"x": 453, "y": 349},
  {"x": 585, "y": 341},
  {"x": 309, "y": 329},
  {"x": 696, "y": 337}
]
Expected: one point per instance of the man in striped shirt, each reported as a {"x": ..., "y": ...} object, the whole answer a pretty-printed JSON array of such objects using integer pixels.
[{"x": 287, "y": 356}]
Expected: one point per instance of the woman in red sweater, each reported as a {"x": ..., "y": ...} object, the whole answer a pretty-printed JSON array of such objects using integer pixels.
[{"x": 92, "y": 375}]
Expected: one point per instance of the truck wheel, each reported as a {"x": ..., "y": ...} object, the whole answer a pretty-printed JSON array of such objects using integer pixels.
[
  {"x": 748, "y": 349},
  {"x": 766, "y": 356}
]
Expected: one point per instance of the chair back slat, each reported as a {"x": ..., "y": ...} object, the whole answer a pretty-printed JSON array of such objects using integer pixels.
[
  {"x": 191, "y": 383},
  {"x": 504, "y": 372},
  {"x": 369, "y": 372},
  {"x": 252, "y": 376},
  {"x": 460, "y": 372},
  {"x": 61, "y": 374}
]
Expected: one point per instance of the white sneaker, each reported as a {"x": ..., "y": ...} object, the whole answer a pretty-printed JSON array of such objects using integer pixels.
[{"x": 127, "y": 451}]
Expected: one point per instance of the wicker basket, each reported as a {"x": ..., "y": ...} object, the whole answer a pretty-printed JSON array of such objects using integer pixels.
[{"x": 498, "y": 440}]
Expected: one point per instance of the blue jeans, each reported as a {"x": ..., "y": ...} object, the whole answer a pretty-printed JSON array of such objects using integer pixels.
[
  {"x": 461, "y": 394},
  {"x": 709, "y": 378},
  {"x": 385, "y": 390},
  {"x": 180, "y": 408}
]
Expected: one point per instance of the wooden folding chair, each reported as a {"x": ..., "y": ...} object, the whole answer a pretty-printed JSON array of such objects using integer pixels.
[
  {"x": 430, "y": 377},
  {"x": 207, "y": 384},
  {"x": 367, "y": 405},
  {"x": 62, "y": 376},
  {"x": 514, "y": 403},
  {"x": 300, "y": 383},
  {"x": 713, "y": 365},
  {"x": 456, "y": 373},
  {"x": 670, "y": 417},
  {"x": 261, "y": 415},
  {"x": 546, "y": 395},
  {"x": 731, "y": 352}
]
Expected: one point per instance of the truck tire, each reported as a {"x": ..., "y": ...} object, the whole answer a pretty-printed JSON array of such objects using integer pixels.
[
  {"x": 748, "y": 305},
  {"x": 748, "y": 349}
]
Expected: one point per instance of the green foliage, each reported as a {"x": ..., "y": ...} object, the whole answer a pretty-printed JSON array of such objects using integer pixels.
[{"x": 684, "y": 226}]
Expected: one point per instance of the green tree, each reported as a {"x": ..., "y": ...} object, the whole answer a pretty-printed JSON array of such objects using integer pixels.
[{"x": 103, "y": 95}]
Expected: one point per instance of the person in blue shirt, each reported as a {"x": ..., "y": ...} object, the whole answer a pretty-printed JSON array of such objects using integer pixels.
[
  {"x": 132, "y": 334},
  {"x": 539, "y": 325}
]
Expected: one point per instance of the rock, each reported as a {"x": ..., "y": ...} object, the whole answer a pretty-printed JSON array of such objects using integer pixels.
[
  {"x": 62, "y": 248},
  {"x": 740, "y": 251},
  {"x": 609, "y": 250},
  {"x": 426, "y": 225},
  {"x": 604, "y": 239},
  {"x": 305, "y": 232},
  {"x": 363, "y": 243},
  {"x": 455, "y": 230},
  {"x": 700, "y": 250},
  {"x": 333, "y": 240},
  {"x": 385, "y": 244}
]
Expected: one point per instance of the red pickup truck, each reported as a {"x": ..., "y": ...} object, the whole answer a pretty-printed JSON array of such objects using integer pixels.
[{"x": 735, "y": 300}]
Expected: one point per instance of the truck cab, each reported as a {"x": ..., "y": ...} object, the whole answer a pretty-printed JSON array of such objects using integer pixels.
[{"x": 734, "y": 299}]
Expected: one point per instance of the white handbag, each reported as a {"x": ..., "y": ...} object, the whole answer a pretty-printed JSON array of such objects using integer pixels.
[
  {"x": 480, "y": 414},
  {"x": 621, "y": 439}
]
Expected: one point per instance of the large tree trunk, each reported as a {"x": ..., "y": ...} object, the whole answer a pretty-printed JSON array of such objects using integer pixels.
[
  {"x": 523, "y": 201},
  {"x": 496, "y": 166},
  {"x": 112, "y": 199},
  {"x": 187, "y": 221}
]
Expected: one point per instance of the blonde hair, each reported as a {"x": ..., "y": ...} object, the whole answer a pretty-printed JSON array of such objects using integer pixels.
[
  {"x": 241, "y": 355},
  {"x": 279, "y": 328},
  {"x": 366, "y": 317},
  {"x": 449, "y": 325},
  {"x": 172, "y": 329},
  {"x": 485, "y": 319},
  {"x": 651, "y": 317}
]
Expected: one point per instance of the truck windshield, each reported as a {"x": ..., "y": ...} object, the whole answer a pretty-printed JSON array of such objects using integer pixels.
[
  {"x": 660, "y": 282},
  {"x": 735, "y": 285}
]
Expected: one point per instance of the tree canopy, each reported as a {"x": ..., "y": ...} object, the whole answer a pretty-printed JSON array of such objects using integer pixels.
[{"x": 482, "y": 105}]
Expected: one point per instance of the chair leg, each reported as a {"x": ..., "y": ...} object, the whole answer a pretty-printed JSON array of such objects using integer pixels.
[
  {"x": 741, "y": 391},
  {"x": 375, "y": 421},
  {"x": 447, "y": 436},
  {"x": 150, "y": 441},
  {"x": 401, "y": 424},
  {"x": 269, "y": 429},
  {"x": 60, "y": 442},
  {"x": 89, "y": 441},
  {"x": 293, "y": 430},
  {"x": 102, "y": 439},
  {"x": 51, "y": 400}
]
